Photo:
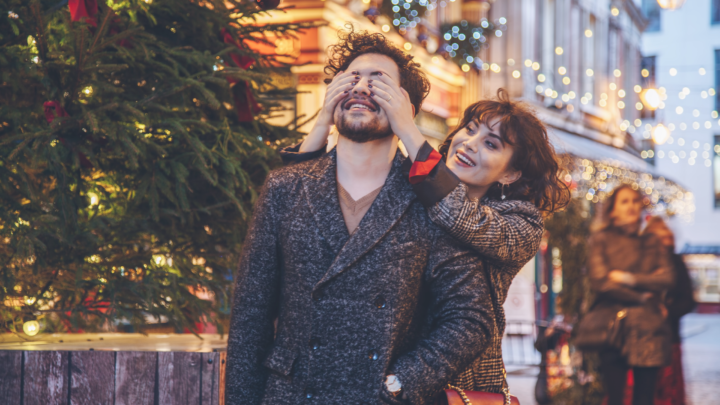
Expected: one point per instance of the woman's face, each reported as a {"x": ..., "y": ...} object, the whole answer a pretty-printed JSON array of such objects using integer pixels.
[
  {"x": 628, "y": 207},
  {"x": 480, "y": 158}
]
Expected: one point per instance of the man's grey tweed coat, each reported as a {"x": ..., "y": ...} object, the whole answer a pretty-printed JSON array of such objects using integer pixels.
[{"x": 398, "y": 296}]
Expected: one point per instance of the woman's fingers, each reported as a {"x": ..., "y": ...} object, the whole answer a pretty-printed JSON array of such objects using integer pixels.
[{"x": 381, "y": 92}]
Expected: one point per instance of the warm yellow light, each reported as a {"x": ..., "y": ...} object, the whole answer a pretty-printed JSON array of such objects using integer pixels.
[
  {"x": 541, "y": 78},
  {"x": 528, "y": 63},
  {"x": 621, "y": 93},
  {"x": 613, "y": 86},
  {"x": 679, "y": 110},
  {"x": 88, "y": 90},
  {"x": 614, "y": 11},
  {"x": 511, "y": 62},
  {"x": 638, "y": 106},
  {"x": 645, "y": 73},
  {"x": 588, "y": 33},
  {"x": 621, "y": 104},
  {"x": 589, "y": 72},
  {"x": 651, "y": 98},
  {"x": 660, "y": 134},
  {"x": 566, "y": 80},
  {"x": 637, "y": 88},
  {"x": 516, "y": 74},
  {"x": 93, "y": 199},
  {"x": 495, "y": 67},
  {"x": 31, "y": 328},
  {"x": 559, "y": 50},
  {"x": 435, "y": 59},
  {"x": 465, "y": 67},
  {"x": 702, "y": 71},
  {"x": 673, "y": 71},
  {"x": 562, "y": 70},
  {"x": 407, "y": 46},
  {"x": 385, "y": 28},
  {"x": 535, "y": 66},
  {"x": 671, "y": 4},
  {"x": 617, "y": 73}
]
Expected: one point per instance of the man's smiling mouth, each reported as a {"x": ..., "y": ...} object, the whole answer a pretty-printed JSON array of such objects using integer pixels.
[{"x": 353, "y": 104}]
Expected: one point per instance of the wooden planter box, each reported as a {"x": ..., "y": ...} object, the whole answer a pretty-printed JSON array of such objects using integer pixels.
[{"x": 112, "y": 369}]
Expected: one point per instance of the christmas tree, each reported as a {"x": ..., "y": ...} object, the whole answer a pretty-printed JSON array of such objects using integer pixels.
[{"x": 133, "y": 141}]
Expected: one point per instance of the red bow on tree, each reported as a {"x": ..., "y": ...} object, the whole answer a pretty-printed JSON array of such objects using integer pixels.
[
  {"x": 53, "y": 110},
  {"x": 245, "y": 103},
  {"x": 83, "y": 9}
]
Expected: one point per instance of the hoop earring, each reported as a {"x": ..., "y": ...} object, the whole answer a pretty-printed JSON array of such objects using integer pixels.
[{"x": 502, "y": 190}]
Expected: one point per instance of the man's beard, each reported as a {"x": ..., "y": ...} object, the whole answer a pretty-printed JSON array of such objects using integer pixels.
[{"x": 361, "y": 133}]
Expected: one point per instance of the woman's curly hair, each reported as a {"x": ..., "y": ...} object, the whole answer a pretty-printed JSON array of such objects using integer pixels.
[
  {"x": 533, "y": 154},
  {"x": 353, "y": 44}
]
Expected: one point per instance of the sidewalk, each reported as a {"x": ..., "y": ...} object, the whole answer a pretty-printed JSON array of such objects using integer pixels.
[{"x": 701, "y": 358}]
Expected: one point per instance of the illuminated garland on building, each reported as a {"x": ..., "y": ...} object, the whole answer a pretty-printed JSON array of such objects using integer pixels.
[
  {"x": 463, "y": 41},
  {"x": 594, "y": 180}
]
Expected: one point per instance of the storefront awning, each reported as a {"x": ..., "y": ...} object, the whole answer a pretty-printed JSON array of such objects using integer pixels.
[{"x": 565, "y": 142}]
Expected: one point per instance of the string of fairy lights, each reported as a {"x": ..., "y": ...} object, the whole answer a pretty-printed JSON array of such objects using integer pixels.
[{"x": 595, "y": 179}]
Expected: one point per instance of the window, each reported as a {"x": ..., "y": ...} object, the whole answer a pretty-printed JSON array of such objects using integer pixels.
[
  {"x": 717, "y": 79},
  {"x": 715, "y": 12},
  {"x": 716, "y": 171},
  {"x": 651, "y": 11}
]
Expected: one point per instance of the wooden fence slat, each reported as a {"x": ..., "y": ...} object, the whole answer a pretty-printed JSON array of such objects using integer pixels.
[
  {"x": 210, "y": 378},
  {"x": 10, "y": 377},
  {"x": 223, "y": 366},
  {"x": 46, "y": 378},
  {"x": 92, "y": 378},
  {"x": 179, "y": 378},
  {"x": 135, "y": 378}
]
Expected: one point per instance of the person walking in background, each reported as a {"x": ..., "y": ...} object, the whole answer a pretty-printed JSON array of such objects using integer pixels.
[
  {"x": 631, "y": 273},
  {"x": 679, "y": 301}
]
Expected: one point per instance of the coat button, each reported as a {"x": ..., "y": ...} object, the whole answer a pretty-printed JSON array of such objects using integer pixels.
[
  {"x": 314, "y": 344},
  {"x": 309, "y": 393},
  {"x": 318, "y": 296},
  {"x": 379, "y": 302},
  {"x": 373, "y": 355}
]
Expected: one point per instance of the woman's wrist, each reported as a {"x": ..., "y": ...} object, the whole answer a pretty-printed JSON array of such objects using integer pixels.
[{"x": 413, "y": 140}]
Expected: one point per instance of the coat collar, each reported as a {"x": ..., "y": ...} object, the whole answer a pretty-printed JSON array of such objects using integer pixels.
[{"x": 321, "y": 192}]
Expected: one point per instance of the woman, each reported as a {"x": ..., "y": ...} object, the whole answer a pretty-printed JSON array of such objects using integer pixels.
[
  {"x": 679, "y": 301},
  {"x": 495, "y": 179},
  {"x": 630, "y": 271}
]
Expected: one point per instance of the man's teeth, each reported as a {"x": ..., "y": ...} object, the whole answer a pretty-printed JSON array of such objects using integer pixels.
[
  {"x": 465, "y": 160},
  {"x": 360, "y": 106}
]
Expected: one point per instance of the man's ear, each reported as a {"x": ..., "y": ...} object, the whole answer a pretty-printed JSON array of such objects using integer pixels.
[
  {"x": 511, "y": 176},
  {"x": 413, "y": 110}
]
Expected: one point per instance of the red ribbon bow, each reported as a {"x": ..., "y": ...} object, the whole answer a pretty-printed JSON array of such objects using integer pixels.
[
  {"x": 245, "y": 104},
  {"x": 83, "y": 9}
]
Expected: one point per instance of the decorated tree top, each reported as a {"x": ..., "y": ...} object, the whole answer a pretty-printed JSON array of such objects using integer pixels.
[{"x": 132, "y": 143}]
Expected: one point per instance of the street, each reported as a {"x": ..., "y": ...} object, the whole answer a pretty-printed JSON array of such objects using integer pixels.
[{"x": 701, "y": 358}]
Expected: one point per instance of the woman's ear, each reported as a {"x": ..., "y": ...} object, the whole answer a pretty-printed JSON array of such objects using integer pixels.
[{"x": 511, "y": 176}]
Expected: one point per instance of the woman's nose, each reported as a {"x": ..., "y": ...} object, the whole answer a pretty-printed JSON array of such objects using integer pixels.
[{"x": 472, "y": 143}]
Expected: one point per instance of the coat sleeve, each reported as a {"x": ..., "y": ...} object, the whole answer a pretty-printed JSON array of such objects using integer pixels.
[
  {"x": 599, "y": 271},
  {"x": 254, "y": 305},
  {"x": 662, "y": 277},
  {"x": 461, "y": 322},
  {"x": 508, "y": 232}
]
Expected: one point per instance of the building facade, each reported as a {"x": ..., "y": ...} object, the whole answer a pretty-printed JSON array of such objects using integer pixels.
[{"x": 681, "y": 51}]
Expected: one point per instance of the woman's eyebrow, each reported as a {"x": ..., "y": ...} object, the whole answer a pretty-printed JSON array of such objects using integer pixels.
[{"x": 494, "y": 135}]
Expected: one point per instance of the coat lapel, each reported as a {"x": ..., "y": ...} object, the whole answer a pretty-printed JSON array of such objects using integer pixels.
[
  {"x": 320, "y": 186},
  {"x": 394, "y": 198}
]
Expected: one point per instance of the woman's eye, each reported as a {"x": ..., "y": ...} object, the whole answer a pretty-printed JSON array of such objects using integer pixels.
[{"x": 490, "y": 145}]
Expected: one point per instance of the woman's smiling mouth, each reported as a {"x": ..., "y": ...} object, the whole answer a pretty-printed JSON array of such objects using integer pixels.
[{"x": 464, "y": 159}]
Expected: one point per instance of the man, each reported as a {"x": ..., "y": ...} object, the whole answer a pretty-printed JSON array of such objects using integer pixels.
[{"x": 372, "y": 302}]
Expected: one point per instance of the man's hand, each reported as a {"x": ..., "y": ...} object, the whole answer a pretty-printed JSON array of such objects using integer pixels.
[
  {"x": 395, "y": 101},
  {"x": 336, "y": 91}
]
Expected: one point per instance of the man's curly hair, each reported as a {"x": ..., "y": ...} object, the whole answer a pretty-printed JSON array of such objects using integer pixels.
[{"x": 353, "y": 44}]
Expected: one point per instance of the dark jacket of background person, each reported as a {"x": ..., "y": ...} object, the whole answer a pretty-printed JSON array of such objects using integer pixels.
[
  {"x": 679, "y": 300},
  {"x": 397, "y": 297},
  {"x": 646, "y": 335},
  {"x": 506, "y": 234}
]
